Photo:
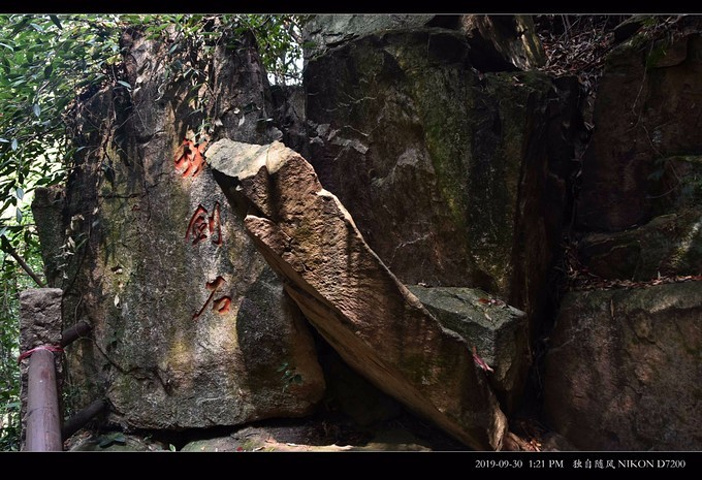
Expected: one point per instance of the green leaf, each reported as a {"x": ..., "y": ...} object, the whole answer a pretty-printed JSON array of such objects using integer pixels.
[
  {"x": 56, "y": 21},
  {"x": 124, "y": 84},
  {"x": 20, "y": 26},
  {"x": 14, "y": 145},
  {"x": 18, "y": 215},
  {"x": 37, "y": 110},
  {"x": 19, "y": 193}
]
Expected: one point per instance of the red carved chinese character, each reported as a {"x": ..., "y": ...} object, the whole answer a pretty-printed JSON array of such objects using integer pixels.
[
  {"x": 198, "y": 225},
  {"x": 201, "y": 225},
  {"x": 188, "y": 158},
  {"x": 220, "y": 305},
  {"x": 215, "y": 226}
]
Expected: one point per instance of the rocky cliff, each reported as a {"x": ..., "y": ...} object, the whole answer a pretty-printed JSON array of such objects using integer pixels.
[{"x": 490, "y": 240}]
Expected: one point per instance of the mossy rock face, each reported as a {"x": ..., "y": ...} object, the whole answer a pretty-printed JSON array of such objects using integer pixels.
[
  {"x": 623, "y": 368},
  {"x": 677, "y": 183},
  {"x": 669, "y": 245},
  {"x": 451, "y": 175},
  {"x": 327, "y": 31},
  {"x": 190, "y": 326},
  {"x": 498, "y": 332},
  {"x": 47, "y": 209}
]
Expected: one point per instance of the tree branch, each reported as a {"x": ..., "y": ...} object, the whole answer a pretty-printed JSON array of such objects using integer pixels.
[{"x": 8, "y": 248}]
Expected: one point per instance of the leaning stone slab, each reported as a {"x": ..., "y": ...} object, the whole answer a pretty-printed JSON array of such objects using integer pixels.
[
  {"x": 377, "y": 326},
  {"x": 499, "y": 333}
]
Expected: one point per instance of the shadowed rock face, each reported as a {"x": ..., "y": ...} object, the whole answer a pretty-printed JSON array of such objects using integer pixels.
[
  {"x": 453, "y": 177},
  {"x": 498, "y": 42},
  {"x": 668, "y": 245},
  {"x": 623, "y": 368},
  {"x": 377, "y": 326},
  {"x": 643, "y": 158},
  {"x": 623, "y": 371}
]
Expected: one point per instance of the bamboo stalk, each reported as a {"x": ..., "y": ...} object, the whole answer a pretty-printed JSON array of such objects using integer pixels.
[{"x": 24, "y": 265}]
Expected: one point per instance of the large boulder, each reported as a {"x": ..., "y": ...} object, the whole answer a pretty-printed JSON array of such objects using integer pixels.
[
  {"x": 623, "y": 369},
  {"x": 503, "y": 42},
  {"x": 497, "y": 42},
  {"x": 498, "y": 332},
  {"x": 191, "y": 328},
  {"x": 453, "y": 177},
  {"x": 328, "y": 31},
  {"x": 376, "y": 325},
  {"x": 643, "y": 158}
]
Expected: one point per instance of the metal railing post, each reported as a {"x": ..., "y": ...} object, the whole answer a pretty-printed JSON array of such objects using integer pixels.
[
  {"x": 40, "y": 339},
  {"x": 43, "y": 416}
]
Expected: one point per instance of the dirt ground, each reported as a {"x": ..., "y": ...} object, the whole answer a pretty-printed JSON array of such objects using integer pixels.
[{"x": 403, "y": 433}]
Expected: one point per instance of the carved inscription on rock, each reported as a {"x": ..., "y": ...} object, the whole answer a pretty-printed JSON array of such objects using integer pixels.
[
  {"x": 188, "y": 159},
  {"x": 219, "y": 305},
  {"x": 204, "y": 223}
]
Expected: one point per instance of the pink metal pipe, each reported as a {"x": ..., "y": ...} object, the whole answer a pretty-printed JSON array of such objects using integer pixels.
[{"x": 43, "y": 419}]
